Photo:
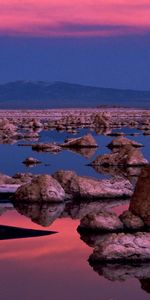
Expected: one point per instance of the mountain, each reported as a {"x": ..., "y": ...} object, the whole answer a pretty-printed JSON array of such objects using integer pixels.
[{"x": 41, "y": 94}]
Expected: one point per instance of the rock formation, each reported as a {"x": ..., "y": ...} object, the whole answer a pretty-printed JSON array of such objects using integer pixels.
[{"x": 43, "y": 188}]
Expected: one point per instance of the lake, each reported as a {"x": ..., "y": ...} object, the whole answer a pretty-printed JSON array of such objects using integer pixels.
[{"x": 56, "y": 266}]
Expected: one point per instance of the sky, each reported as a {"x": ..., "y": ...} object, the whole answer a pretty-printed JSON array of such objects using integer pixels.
[{"x": 95, "y": 42}]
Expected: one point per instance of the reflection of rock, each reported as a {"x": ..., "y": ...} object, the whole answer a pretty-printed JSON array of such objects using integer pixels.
[
  {"x": 122, "y": 141},
  {"x": 43, "y": 188},
  {"x": 140, "y": 201},
  {"x": 86, "y": 152},
  {"x": 117, "y": 134},
  {"x": 44, "y": 214},
  {"x": 103, "y": 221},
  {"x": 86, "y": 141},
  {"x": 91, "y": 238},
  {"x": 123, "y": 272},
  {"x": 103, "y": 131},
  {"x": 126, "y": 156},
  {"x": 79, "y": 209},
  {"x": 91, "y": 188},
  {"x": 145, "y": 284},
  {"x": 123, "y": 247}
]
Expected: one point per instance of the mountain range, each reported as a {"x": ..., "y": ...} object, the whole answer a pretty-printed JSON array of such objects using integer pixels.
[{"x": 41, "y": 94}]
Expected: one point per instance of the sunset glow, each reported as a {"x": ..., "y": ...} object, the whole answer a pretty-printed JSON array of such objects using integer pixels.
[{"x": 74, "y": 18}]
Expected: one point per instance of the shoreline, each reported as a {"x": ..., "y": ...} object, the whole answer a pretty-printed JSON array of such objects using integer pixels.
[{"x": 62, "y": 112}]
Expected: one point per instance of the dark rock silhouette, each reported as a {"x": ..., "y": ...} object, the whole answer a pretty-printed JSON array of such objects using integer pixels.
[{"x": 10, "y": 232}]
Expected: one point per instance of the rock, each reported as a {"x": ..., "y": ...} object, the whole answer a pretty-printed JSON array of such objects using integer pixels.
[
  {"x": 131, "y": 222},
  {"x": 42, "y": 214},
  {"x": 91, "y": 188},
  {"x": 126, "y": 156},
  {"x": 87, "y": 141},
  {"x": 43, "y": 188},
  {"x": 37, "y": 124},
  {"x": 102, "y": 221},
  {"x": 31, "y": 161},
  {"x": 31, "y": 135},
  {"x": 68, "y": 180},
  {"x": 48, "y": 147},
  {"x": 22, "y": 178},
  {"x": 122, "y": 141},
  {"x": 140, "y": 201},
  {"x": 9, "y": 188},
  {"x": 123, "y": 247},
  {"x": 147, "y": 132},
  {"x": 102, "y": 119},
  {"x": 5, "y": 179}
]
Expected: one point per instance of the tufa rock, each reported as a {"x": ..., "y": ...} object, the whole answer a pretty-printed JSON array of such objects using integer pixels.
[
  {"x": 123, "y": 247},
  {"x": 140, "y": 201},
  {"x": 43, "y": 188}
]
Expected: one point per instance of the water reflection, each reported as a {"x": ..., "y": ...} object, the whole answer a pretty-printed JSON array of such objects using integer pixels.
[
  {"x": 85, "y": 152},
  {"x": 42, "y": 214}
]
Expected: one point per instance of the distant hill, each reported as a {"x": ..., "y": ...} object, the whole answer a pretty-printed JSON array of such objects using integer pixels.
[{"x": 41, "y": 94}]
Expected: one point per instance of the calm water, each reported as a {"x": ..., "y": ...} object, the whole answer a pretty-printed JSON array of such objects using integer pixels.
[{"x": 56, "y": 266}]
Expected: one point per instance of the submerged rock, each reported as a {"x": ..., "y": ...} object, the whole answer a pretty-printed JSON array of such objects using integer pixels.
[
  {"x": 43, "y": 188},
  {"x": 140, "y": 201},
  {"x": 86, "y": 141},
  {"x": 123, "y": 247}
]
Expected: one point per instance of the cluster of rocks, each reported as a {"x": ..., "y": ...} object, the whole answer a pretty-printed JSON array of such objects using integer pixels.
[
  {"x": 125, "y": 153},
  {"x": 64, "y": 185},
  {"x": 133, "y": 241},
  {"x": 28, "y": 124}
]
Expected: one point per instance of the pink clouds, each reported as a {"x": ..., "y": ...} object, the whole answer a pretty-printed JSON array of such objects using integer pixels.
[{"x": 74, "y": 18}]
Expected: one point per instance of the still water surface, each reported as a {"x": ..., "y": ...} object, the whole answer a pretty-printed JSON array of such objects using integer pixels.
[{"x": 56, "y": 266}]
